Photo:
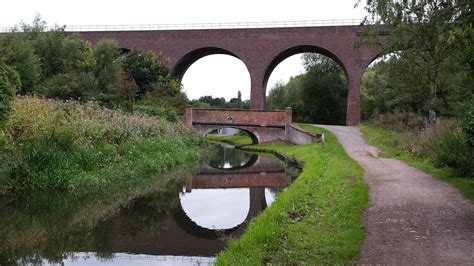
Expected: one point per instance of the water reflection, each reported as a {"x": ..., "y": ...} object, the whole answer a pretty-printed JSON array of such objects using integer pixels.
[
  {"x": 173, "y": 224},
  {"x": 225, "y": 156}
]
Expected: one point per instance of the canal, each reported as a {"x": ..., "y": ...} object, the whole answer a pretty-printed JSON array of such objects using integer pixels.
[{"x": 186, "y": 222}]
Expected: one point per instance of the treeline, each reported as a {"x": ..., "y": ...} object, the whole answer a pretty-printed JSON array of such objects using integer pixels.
[
  {"x": 317, "y": 96},
  {"x": 57, "y": 64},
  {"x": 211, "y": 102}
]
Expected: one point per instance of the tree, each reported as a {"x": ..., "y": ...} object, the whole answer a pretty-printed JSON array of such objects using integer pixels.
[
  {"x": 19, "y": 53},
  {"x": 59, "y": 52},
  {"x": 428, "y": 34},
  {"x": 324, "y": 90},
  {"x": 145, "y": 68},
  {"x": 107, "y": 66},
  {"x": 9, "y": 84}
]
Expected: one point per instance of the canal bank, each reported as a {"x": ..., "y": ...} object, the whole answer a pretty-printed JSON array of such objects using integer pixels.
[
  {"x": 318, "y": 219},
  {"x": 185, "y": 218}
]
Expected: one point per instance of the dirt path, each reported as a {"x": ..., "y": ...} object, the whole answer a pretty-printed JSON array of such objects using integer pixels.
[{"x": 412, "y": 217}]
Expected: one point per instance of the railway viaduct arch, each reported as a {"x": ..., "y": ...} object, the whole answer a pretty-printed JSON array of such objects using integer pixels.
[{"x": 260, "y": 49}]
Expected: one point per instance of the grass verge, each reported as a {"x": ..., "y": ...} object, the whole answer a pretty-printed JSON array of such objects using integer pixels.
[
  {"x": 384, "y": 139},
  {"x": 315, "y": 220}
]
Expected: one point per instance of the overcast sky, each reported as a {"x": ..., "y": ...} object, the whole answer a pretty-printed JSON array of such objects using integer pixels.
[{"x": 216, "y": 75}]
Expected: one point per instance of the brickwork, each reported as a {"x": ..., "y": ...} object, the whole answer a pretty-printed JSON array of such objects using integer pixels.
[{"x": 261, "y": 50}]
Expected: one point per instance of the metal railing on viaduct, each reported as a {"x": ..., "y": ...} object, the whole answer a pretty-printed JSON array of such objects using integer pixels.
[{"x": 203, "y": 26}]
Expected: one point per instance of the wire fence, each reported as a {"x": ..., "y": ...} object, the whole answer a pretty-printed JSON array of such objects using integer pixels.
[{"x": 204, "y": 26}]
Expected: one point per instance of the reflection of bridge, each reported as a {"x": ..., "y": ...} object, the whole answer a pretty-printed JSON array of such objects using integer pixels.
[
  {"x": 180, "y": 235},
  {"x": 260, "y": 49},
  {"x": 262, "y": 125}
]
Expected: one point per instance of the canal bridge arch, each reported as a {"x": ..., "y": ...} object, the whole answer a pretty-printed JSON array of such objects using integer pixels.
[{"x": 260, "y": 49}]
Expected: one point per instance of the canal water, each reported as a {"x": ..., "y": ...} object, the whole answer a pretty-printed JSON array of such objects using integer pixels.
[{"x": 186, "y": 223}]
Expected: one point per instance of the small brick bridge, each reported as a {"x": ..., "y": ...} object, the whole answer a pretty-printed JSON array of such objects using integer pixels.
[{"x": 262, "y": 125}]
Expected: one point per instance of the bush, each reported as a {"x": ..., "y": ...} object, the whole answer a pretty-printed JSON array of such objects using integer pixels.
[
  {"x": 448, "y": 147},
  {"x": 467, "y": 122},
  {"x": 71, "y": 86},
  {"x": 401, "y": 120}
]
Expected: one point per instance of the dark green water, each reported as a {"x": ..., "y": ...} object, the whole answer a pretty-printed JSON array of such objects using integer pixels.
[{"x": 183, "y": 220}]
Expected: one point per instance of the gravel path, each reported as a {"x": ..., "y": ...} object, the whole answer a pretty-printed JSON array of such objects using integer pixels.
[{"x": 412, "y": 217}]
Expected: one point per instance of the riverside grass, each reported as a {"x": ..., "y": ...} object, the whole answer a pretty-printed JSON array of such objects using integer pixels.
[
  {"x": 385, "y": 140},
  {"x": 317, "y": 220},
  {"x": 51, "y": 145}
]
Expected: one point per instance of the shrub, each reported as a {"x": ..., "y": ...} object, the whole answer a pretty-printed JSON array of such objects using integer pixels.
[
  {"x": 402, "y": 120},
  {"x": 448, "y": 146},
  {"x": 71, "y": 86},
  {"x": 467, "y": 122}
]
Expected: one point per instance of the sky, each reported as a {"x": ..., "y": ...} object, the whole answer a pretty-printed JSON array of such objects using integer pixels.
[{"x": 229, "y": 75}]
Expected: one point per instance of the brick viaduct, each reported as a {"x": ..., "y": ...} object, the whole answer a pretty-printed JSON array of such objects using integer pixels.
[{"x": 260, "y": 49}]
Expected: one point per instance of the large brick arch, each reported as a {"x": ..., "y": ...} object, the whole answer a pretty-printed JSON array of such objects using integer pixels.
[
  {"x": 182, "y": 65},
  {"x": 298, "y": 50}
]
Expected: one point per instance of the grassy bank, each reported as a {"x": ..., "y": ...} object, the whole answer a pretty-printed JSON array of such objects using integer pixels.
[
  {"x": 386, "y": 139},
  {"x": 317, "y": 220},
  {"x": 49, "y": 145}
]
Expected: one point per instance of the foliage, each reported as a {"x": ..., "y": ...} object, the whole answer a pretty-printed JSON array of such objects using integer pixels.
[
  {"x": 9, "y": 84},
  {"x": 66, "y": 146},
  {"x": 317, "y": 96},
  {"x": 288, "y": 95},
  {"x": 467, "y": 122},
  {"x": 427, "y": 36},
  {"x": 391, "y": 85},
  {"x": 58, "y": 64},
  {"x": 19, "y": 53},
  {"x": 107, "y": 65},
  {"x": 448, "y": 147},
  {"x": 317, "y": 220},
  {"x": 211, "y": 102},
  {"x": 72, "y": 85},
  {"x": 324, "y": 90},
  {"x": 145, "y": 68}
]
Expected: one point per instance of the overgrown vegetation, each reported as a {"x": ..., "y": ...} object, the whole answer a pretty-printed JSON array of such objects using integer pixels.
[
  {"x": 66, "y": 146},
  {"x": 317, "y": 96},
  {"x": 315, "y": 220},
  {"x": 423, "y": 88},
  {"x": 57, "y": 64}
]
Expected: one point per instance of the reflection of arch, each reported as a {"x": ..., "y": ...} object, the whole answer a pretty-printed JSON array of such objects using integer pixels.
[
  {"x": 252, "y": 160},
  {"x": 253, "y": 135},
  {"x": 187, "y": 60},
  {"x": 257, "y": 204},
  {"x": 297, "y": 50}
]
